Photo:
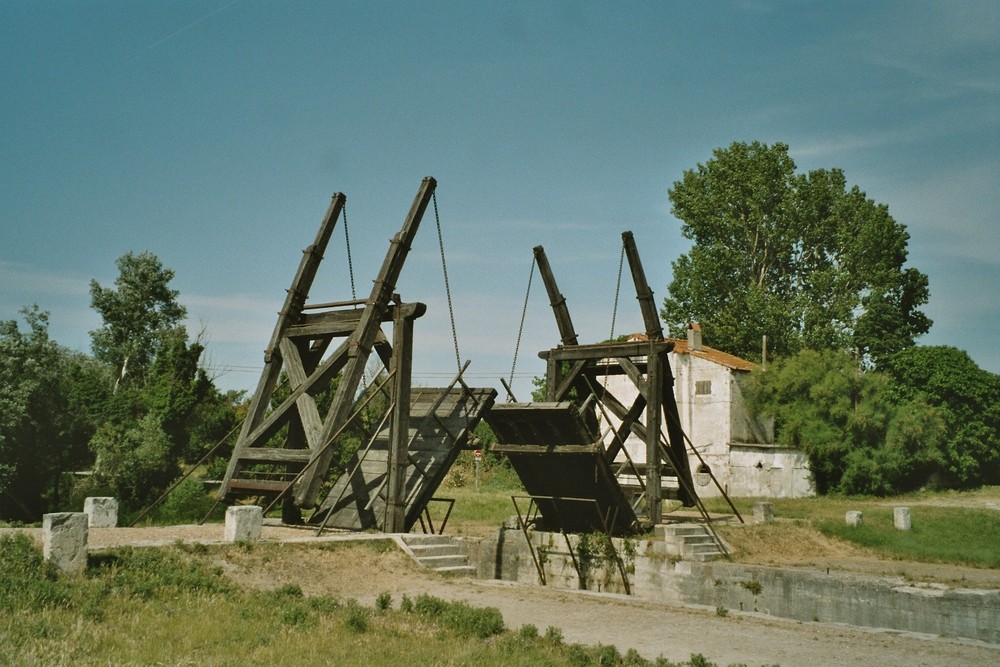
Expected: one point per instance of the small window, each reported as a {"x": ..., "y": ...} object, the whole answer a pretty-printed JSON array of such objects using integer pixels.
[{"x": 702, "y": 387}]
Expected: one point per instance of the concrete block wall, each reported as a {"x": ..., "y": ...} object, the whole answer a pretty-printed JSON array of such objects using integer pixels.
[{"x": 798, "y": 594}]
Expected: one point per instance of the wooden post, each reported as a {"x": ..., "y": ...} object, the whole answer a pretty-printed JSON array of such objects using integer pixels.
[
  {"x": 654, "y": 389},
  {"x": 654, "y": 330},
  {"x": 567, "y": 335},
  {"x": 399, "y": 431}
]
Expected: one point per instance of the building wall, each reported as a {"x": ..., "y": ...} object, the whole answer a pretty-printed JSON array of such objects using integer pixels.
[{"x": 731, "y": 441}]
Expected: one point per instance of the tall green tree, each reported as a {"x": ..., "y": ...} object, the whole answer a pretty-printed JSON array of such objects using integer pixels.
[
  {"x": 800, "y": 258},
  {"x": 137, "y": 312},
  {"x": 148, "y": 420},
  {"x": 968, "y": 400},
  {"x": 46, "y": 416},
  {"x": 931, "y": 420}
]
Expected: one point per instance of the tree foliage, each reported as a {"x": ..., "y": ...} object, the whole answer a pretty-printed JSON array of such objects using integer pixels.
[
  {"x": 45, "y": 421},
  {"x": 137, "y": 313},
  {"x": 966, "y": 397},
  {"x": 800, "y": 258},
  {"x": 928, "y": 423},
  {"x": 159, "y": 386}
]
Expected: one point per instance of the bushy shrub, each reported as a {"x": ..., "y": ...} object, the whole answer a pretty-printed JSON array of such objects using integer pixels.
[
  {"x": 187, "y": 503},
  {"x": 27, "y": 580}
]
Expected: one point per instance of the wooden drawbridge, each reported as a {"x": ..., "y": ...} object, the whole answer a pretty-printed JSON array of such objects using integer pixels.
[{"x": 287, "y": 444}]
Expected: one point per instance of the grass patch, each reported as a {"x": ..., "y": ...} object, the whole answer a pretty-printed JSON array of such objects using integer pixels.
[
  {"x": 171, "y": 606},
  {"x": 938, "y": 534},
  {"x": 944, "y": 529}
]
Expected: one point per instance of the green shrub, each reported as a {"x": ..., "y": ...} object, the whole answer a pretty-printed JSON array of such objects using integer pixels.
[
  {"x": 553, "y": 635},
  {"x": 356, "y": 617},
  {"x": 464, "y": 619},
  {"x": 383, "y": 601},
  {"x": 468, "y": 621},
  {"x": 27, "y": 580},
  {"x": 187, "y": 503},
  {"x": 154, "y": 573}
]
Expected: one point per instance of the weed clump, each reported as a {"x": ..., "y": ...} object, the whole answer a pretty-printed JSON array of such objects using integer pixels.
[
  {"x": 464, "y": 619},
  {"x": 26, "y": 579}
]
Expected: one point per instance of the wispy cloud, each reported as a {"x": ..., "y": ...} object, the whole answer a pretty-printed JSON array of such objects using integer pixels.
[
  {"x": 190, "y": 25},
  {"x": 23, "y": 279}
]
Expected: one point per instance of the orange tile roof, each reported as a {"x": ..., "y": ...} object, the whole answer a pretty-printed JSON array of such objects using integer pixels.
[{"x": 706, "y": 352}]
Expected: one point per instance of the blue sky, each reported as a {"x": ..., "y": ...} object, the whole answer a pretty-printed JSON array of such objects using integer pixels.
[{"x": 213, "y": 133}]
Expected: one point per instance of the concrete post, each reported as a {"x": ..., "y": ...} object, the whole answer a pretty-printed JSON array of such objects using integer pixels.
[
  {"x": 854, "y": 518},
  {"x": 243, "y": 523},
  {"x": 901, "y": 517},
  {"x": 102, "y": 512},
  {"x": 64, "y": 540},
  {"x": 763, "y": 513}
]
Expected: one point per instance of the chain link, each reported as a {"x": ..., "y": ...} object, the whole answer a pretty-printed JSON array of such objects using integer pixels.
[
  {"x": 350, "y": 264},
  {"x": 520, "y": 329},
  {"x": 447, "y": 287}
]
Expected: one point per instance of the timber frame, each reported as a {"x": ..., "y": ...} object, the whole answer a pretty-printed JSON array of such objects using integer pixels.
[
  {"x": 575, "y": 371},
  {"x": 314, "y": 344}
]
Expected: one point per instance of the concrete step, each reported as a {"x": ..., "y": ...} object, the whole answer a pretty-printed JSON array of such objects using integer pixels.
[
  {"x": 417, "y": 539},
  {"x": 457, "y": 571},
  {"x": 439, "y": 553},
  {"x": 424, "y": 550},
  {"x": 679, "y": 529},
  {"x": 438, "y": 562},
  {"x": 702, "y": 549}
]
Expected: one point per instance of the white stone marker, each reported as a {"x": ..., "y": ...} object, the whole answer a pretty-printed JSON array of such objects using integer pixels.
[
  {"x": 103, "y": 512},
  {"x": 763, "y": 513},
  {"x": 64, "y": 540},
  {"x": 854, "y": 518},
  {"x": 243, "y": 523},
  {"x": 901, "y": 517}
]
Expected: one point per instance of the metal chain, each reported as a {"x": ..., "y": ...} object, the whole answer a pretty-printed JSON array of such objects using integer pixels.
[
  {"x": 520, "y": 329},
  {"x": 618, "y": 287},
  {"x": 447, "y": 287},
  {"x": 614, "y": 311},
  {"x": 350, "y": 264}
]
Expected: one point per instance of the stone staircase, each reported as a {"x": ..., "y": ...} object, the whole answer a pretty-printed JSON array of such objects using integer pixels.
[
  {"x": 440, "y": 553},
  {"x": 690, "y": 541}
]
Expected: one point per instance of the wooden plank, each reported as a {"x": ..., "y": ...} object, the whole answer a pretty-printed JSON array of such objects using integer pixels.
[
  {"x": 274, "y": 455},
  {"x": 257, "y": 485},
  {"x": 604, "y": 350},
  {"x": 556, "y": 450}
]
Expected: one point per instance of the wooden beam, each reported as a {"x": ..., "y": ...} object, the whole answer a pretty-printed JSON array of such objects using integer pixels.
[
  {"x": 399, "y": 430},
  {"x": 567, "y": 335},
  {"x": 291, "y": 310},
  {"x": 344, "y": 322},
  {"x": 605, "y": 350},
  {"x": 312, "y": 424},
  {"x": 654, "y": 330},
  {"x": 360, "y": 342}
]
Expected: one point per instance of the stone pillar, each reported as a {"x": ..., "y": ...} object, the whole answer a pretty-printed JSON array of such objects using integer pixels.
[
  {"x": 103, "y": 512},
  {"x": 64, "y": 540},
  {"x": 854, "y": 518},
  {"x": 243, "y": 523},
  {"x": 763, "y": 513},
  {"x": 901, "y": 517}
]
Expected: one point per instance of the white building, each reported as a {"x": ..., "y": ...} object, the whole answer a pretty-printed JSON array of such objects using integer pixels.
[{"x": 737, "y": 446}]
